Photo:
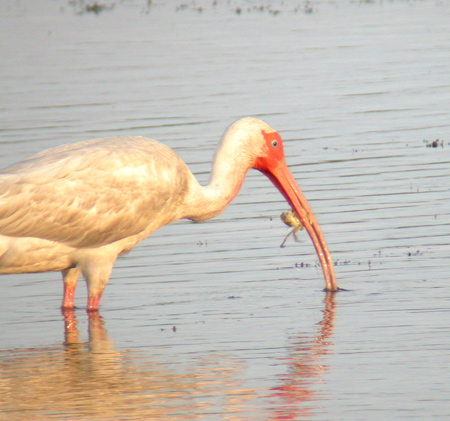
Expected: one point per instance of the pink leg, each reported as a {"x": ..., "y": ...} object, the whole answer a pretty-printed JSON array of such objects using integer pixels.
[
  {"x": 94, "y": 301},
  {"x": 70, "y": 277},
  {"x": 97, "y": 276}
]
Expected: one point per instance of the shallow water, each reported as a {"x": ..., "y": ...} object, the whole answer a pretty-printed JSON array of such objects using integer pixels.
[{"x": 214, "y": 320}]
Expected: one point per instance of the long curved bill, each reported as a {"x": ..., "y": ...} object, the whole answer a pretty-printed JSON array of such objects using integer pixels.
[{"x": 283, "y": 180}]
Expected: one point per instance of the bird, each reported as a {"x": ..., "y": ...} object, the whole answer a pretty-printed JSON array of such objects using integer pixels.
[{"x": 77, "y": 207}]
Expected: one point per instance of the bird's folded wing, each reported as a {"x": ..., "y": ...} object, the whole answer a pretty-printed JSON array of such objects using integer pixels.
[{"x": 88, "y": 197}]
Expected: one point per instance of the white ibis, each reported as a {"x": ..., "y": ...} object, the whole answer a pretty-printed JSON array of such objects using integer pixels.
[{"x": 76, "y": 208}]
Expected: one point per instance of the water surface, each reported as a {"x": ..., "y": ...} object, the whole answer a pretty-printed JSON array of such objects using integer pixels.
[{"x": 214, "y": 321}]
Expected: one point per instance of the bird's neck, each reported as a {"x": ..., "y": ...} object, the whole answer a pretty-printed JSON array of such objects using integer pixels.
[{"x": 226, "y": 179}]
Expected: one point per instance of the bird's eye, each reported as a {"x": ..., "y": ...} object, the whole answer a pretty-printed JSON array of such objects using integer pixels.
[{"x": 274, "y": 143}]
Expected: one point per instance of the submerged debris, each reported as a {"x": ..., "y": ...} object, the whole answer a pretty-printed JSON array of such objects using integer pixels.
[
  {"x": 434, "y": 143},
  {"x": 415, "y": 253},
  {"x": 90, "y": 6}
]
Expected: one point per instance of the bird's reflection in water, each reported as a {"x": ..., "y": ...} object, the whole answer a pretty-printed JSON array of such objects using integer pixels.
[
  {"x": 298, "y": 387},
  {"x": 93, "y": 380}
]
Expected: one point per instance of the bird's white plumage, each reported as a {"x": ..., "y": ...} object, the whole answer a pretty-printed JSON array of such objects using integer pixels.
[
  {"x": 90, "y": 196},
  {"x": 75, "y": 208},
  {"x": 79, "y": 203}
]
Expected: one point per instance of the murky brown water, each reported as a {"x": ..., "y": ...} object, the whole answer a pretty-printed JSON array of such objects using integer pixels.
[{"x": 214, "y": 321}]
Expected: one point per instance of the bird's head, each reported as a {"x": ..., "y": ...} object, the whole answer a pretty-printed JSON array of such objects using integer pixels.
[{"x": 263, "y": 147}]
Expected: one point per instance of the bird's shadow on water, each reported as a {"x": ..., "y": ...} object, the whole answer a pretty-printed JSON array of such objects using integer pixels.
[{"x": 67, "y": 379}]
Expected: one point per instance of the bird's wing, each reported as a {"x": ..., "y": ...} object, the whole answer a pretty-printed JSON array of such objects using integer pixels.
[{"x": 92, "y": 193}]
